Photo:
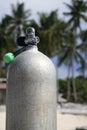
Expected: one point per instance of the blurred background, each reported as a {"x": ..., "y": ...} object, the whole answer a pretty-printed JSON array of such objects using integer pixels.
[{"x": 62, "y": 28}]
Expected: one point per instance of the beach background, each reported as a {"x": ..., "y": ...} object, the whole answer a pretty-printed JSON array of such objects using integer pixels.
[
  {"x": 67, "y": 119},
  {"x": 69, "y": 115}
]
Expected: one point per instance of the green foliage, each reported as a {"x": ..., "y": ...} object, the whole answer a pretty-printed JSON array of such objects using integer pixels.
[
  {"x": 63, "y": 86},
  {"x": 81, "y": 88},
  {"x": 49, "y": 29},
  {"x": 76, "y": 12}
]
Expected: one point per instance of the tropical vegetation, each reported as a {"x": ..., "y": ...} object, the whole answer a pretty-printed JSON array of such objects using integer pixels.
[
  {"x": 81, "y": 88},
  {"x": 66, "y": 39}
]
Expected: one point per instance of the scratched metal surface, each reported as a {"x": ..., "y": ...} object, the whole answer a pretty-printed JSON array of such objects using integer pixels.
[{"x": 31, "y": 93}]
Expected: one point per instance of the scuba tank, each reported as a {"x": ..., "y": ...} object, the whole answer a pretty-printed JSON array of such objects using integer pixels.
[{"x": 31, "y": 87}]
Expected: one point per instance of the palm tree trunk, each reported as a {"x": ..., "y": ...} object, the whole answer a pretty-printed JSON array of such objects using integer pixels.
[
  {"x": 68, "y": 85},
  {"x": 73, "y": 80},
  {"x": 84, "y": 69}
]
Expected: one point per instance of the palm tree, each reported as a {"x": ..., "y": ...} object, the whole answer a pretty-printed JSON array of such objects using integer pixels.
[
  {"x": 18, "y": 19},
  {"x": 69, "y": 56},
  {"x": 6, "y": 42},
  {"x": 45, "y": 30},
  {"x": 10, "y": 25},
  {"x": 77, "y": 12},
  {"x": 83, "y": 50}
]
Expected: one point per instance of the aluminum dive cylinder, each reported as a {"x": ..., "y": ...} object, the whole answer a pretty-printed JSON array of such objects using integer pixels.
[{"x": 31, "y": 89}]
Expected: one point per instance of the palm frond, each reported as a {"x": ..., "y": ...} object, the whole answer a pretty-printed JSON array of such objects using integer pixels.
[
  {"x": 83, "y": 17},
  {"x": 64, "y": 56},
  {"x": 69, "y": 6}
]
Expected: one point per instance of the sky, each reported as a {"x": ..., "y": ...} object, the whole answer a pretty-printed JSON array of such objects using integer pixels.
[
  {"x": 38, "y": 6},
  {"x": 34, "y": 5}
]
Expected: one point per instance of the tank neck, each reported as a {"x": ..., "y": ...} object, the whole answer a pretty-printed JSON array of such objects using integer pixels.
[{"x": 31, "y": 47}]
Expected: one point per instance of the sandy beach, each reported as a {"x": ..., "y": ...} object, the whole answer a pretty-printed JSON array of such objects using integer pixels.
[
  {"x": 70, "y": 122},
  {"x": 64, "y": 121},
  {"x": 2, "y": 117}
]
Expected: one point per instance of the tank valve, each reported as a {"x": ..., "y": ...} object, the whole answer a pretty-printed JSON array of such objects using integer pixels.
[
  {"x": 29, "y": 39},
  {"x": 24, "y": 42}
]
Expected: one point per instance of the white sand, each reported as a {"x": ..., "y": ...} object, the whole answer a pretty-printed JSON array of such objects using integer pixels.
[
  {"x": 64, "y": 121},
  {"x": 70, "y": 122},
  {"x": 2, "y": 120}
]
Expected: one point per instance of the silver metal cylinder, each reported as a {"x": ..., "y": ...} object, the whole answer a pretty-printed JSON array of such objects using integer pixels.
[{"x": 31, "y": 92}]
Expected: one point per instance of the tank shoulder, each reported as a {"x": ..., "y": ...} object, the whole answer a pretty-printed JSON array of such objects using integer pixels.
[{"x": 32, "y": 59}]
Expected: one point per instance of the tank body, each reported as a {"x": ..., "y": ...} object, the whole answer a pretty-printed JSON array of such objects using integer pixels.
[{"x": 31, "y": 92}]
